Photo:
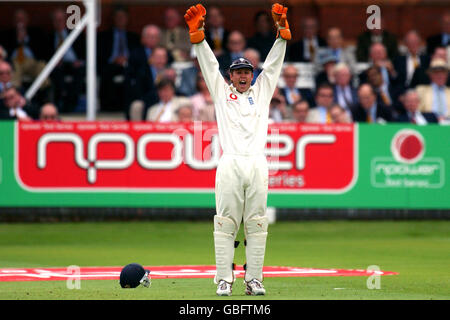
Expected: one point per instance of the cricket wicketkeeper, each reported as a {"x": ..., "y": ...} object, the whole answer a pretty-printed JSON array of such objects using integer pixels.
[{"x": 242, "y": 113}]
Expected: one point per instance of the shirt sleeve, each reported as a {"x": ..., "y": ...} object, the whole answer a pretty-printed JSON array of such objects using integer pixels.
[
  {"x": 210, "y": 69},
  {"x": 268, "y": 79}
]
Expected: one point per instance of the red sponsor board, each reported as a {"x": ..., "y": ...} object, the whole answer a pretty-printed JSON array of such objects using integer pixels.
[{"x": 76, "y": 156}]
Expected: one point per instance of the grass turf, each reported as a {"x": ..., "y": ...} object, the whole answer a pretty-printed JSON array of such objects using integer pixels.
[{"x": 418, "y": 250}]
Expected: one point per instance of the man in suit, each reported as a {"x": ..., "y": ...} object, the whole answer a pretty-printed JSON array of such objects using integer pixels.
[
  {"x": 235, "y": 49},
  {"x": 290, "y": 91},
  {"x": 114, "y": 47},
  {"x": 441, "y": 39},
  {"x": 411, "y": 101},
  {"x": 166, "y": 109},
  {"x": 306, "y": 49},
  {"x": 216, "y": 34},
  {"x": 335, "y": 44},
  {"x": 411, "y": 67},
  {"x": 68, "y": 76},
  {"x": 174, "y": 37},
  {"x": 344, "y": 93},
  {"x": 13, "y": 106},
  {"x": 435, "y": 97},
  {"x": 324, "y": 102},
  {"x": 369, "y": 110}
]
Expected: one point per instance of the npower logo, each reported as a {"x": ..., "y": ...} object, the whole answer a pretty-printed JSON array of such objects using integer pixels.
[
  {"x": 173, "y": 157},
  {"x": 408, "y": 167}
]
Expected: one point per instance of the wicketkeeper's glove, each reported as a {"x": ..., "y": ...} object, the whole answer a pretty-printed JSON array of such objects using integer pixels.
[
  {"x": 194, "y": 18},
  {"x": 280, "y": 19}
]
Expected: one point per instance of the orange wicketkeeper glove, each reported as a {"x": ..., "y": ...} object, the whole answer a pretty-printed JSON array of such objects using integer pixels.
[
  {"x": 280, "y": 19},
  {"x": 194, "y": 18}
]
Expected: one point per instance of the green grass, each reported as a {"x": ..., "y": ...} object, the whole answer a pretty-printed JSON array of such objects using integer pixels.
[{"x": 418, "y": 250}]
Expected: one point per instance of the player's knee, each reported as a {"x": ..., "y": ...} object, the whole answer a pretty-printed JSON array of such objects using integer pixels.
[
  {"x": 257, "y": 225},
  {"x": 225, "y": 225}
]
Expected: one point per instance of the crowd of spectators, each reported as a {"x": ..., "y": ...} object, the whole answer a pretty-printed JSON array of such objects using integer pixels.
[{"x": 380, "y": 78}]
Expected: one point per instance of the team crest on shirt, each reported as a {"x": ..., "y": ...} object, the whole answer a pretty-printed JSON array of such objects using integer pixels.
[{"x": 250, "y": 100}]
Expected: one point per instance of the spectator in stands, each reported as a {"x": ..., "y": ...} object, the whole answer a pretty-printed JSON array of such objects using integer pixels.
[
  {"x": 262, "y": 40},
  {"x": 68, "y": 76},
  {"x": 278, "y": 110},
  {"x": 411, "y": 101},
  {"x": 324, "y": 102},
  {"x": 15, "y": 106},
  {"x": 300, "y": 110},
  {"x": 342, "y": 53},
  {"x": 411, "y": 67},
  {"x": 369, "y": 110},
  {"x": 235, "y": 50},
  {"x": 387, "y": 95},
  {"x": 379, "y": 58},
  {"x": 188, "y": 79},
  {"x": 202, "y": 103},
  {"x": 290, "y": 91},
  {"x": 174, "y": 36},
  {"x": 366, "y": 40},
  {"x": 435, "y": 97},
  {"x": 114, "y": 47},
  {"x": 48, "y": 112},
  {"x": 6, "y": 75},
  {"x": 184, "y": 113},
  {"x": 440, "y": 53},
  {"x": 216, "y": 35},
  {"x": 344, "y": 93},
  {"x": 140, "y": 76},
  {"x": 306, "y": 49},
  {"x": 441, "y": 39},
  {"x": 326, "y": 75},
  {"x": 339, "y": 114},
  {"x": 253, "y": 56},
  {"x": 166, "y": 109}
]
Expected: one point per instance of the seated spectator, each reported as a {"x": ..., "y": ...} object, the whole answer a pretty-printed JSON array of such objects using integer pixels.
[
  {"x": 411, "y": 67},
  {"x": 141, "y": 75},
  {"x": 344, "y": 92},
  {"x": 174, "y": 36},
  {"x": 216, "y": 34},
  {"x": 114, "y": 47},
  {"x": 368, "y": 38},
  {"x": 435, "y": 97},
  {"x": 253, "y": 56},
  {"x": 15, "y": 106},
  {"x": 326, "y": 75},
  {"x": 290, "y": 91},
  {"x": 411, "y": 101},
  {"x": 235, "y": 50},
  {"x": 278, "y": 110},
  {"x": 49, "y": 112},
  {"x": 300, "y": 111},
  {"x": 339, "y": 114},
  {"x": 188, "y": 79},
  {"x": 369, "y": 110},
  {"x": 184, "y": 113},
  {"x": 324, "y": 102},
  {"x": 335, "y": 45},
  {"x": 306, "y": 49},
  {"x": 378, "y": 57},
  {"x": 68, "y": 76},
  {"x": 386, "y": 95},
  {"x": 166, "y": 109},
  {"x": 440, "y": 53},
  {"x": 441, "y": 39},
  {"x": 6, "y": 75},
  {"x": 202, "y": 103},
  {"x": 263, "y": 39}
]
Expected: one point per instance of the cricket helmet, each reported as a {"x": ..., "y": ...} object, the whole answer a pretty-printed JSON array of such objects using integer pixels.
[
  {"x": 133, "y": 274},
  {"x": 241, "y": 63}
]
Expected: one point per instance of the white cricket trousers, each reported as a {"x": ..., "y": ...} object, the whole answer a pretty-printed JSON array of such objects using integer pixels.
[{"x": 241, "y": 195}]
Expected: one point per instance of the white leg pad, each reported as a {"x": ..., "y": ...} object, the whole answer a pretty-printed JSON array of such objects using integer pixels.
[
  {"x": 256, "y": 236},
  {"x": 224, "y": 235}
]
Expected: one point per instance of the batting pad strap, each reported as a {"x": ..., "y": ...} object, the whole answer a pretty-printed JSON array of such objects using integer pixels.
[
  {"x": 224, "y": 225},
  {"x": 256, "y": 225}
]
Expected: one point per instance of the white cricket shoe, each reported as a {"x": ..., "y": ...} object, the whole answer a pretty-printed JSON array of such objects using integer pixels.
[
  {"x": 254, "y": 288},
  {"x": 223, "y": 288}
]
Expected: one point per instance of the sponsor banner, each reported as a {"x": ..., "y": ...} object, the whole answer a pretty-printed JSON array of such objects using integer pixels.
[
  {"x": 166, "y": 272},
  {"x": 121, "y": 164}
]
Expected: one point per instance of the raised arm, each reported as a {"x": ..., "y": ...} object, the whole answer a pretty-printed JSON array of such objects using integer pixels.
[{"x": 195, "y": 19}]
